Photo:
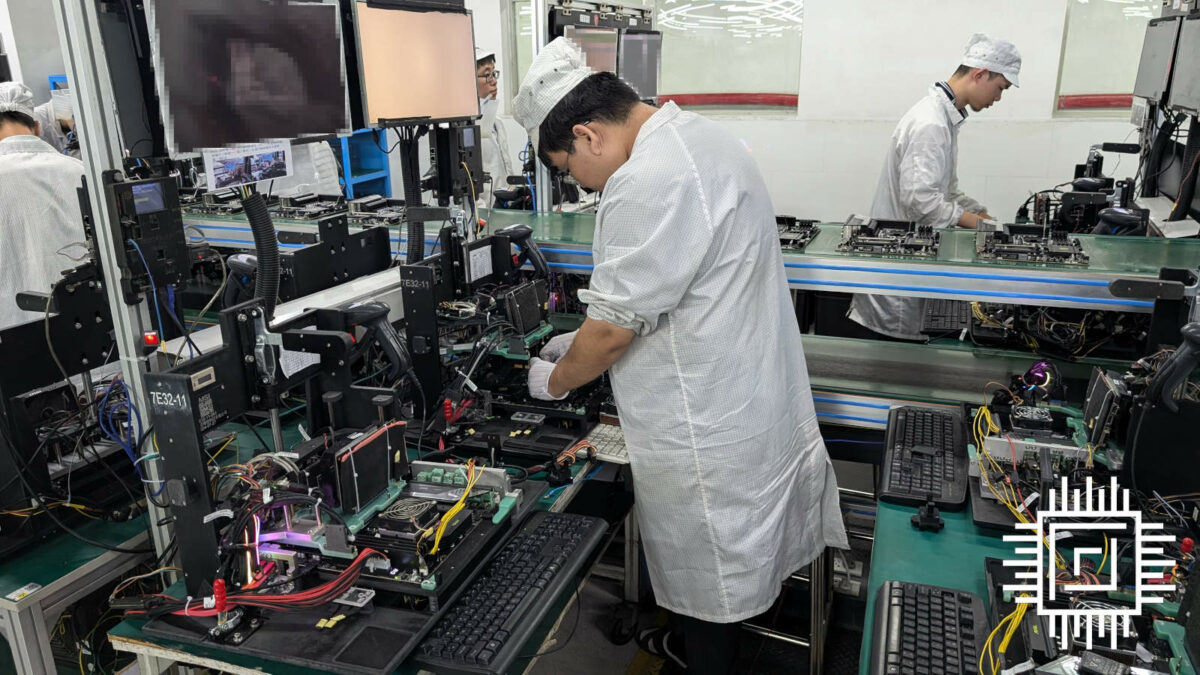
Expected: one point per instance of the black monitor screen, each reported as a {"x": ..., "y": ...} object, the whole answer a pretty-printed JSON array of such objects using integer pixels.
[
  {"x": 147, "y": 198},
  {"x": 1158, "y": 50},
  {"x": 242, "y": 71},
  {"x": 641, "y": 54},
  {"x": 1185, "y": 88}
]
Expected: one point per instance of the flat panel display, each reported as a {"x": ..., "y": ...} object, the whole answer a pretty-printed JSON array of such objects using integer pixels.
[
  {"x": 1158, "y": 51},
  {"x": 1185, "y": 85},
  {"x": 416, "y": 64},
  {"x": 244, "y": 71},
  {"x": 640, "y": 62}
]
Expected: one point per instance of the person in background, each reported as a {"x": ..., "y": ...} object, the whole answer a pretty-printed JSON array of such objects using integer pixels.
[
  {"x": 57, "y": 120},
  {"x": 686, "y": 254},
  {"x": 39, "y": 205},
  {"x": 919, "y": 181},
  {"x": 496, "y": 161}
]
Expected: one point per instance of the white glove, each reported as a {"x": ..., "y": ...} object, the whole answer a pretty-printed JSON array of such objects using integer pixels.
[
  {"x": 539, "y": 380},
  {"x": 557, "y": 347}
]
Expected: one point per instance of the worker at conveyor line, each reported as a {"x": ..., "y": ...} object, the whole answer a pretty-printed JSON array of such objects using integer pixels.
[
  {"x": 39, "y": 206},
  {"x": 919, "y": 181},
  {"x": 734, "y": 487}
]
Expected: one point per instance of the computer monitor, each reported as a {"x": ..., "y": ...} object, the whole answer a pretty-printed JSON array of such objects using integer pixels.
[
  {"x": 599, "y": 46},
  {"x": 1158, "y": 53},
  {"x": 243, "y": 71},
  {"x": 1185, "y": 87},
  {"x": 415, "y": 64},
  {"x": 640, "y": 61}
]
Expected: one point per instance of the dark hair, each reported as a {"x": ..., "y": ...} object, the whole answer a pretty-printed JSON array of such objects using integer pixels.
[
  {"x": 963, "y": 71},
  {"x": 602, "y": 97},
  {"x": 18, "y": 118},
  {"x": 489, "y": 59}
]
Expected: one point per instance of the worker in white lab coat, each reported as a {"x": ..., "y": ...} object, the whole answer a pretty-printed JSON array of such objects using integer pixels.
[
  {"x": 689, "y": 311},
  {"x": 919, "y": 181},
  {"x": 496, "y": 160},
  {"x": 39, "y": 206},
  {"x": 56, "y": 119}
]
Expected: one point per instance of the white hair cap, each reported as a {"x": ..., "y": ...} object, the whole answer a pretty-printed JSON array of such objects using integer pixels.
[
  {"x": 16, "y": 97},
  {"x": 555, "y": 71},
  {"x": 998, "y": 56}
]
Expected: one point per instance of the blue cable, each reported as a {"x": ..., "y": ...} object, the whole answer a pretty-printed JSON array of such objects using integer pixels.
[
  {"x": 171, "y": 313},
  {"x": 153, "y": 288}
]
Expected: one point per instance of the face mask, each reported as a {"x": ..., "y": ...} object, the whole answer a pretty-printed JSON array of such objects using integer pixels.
[{"x": 488, "y": 107}]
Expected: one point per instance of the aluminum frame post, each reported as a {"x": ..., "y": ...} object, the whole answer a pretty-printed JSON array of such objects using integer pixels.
[
  {"x": 99, "y": 141},
  {"x": 541, "y": 175}
]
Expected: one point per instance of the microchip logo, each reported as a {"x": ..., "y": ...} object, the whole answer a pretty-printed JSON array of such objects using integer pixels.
[{"x": 1044, "y": 585}]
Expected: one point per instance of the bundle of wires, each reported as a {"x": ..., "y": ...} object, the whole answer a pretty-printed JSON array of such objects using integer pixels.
[
  {"x": 117, "y": 417},
  {"x": 448, "y": 516},
  {"x": 1005, "y": 492},
  {"x": 313, "y": 597},
  {"x": 1009, "y": 624}
]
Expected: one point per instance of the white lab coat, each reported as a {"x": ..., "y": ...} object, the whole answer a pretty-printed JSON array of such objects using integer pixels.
[
  {"x": 734, "y": 488},
  {"x": 51, "y": 130},
  {"x": 39, "y": 214},
  {"x": 919, "y": 183},
  {"x": 496, "y": 161}
]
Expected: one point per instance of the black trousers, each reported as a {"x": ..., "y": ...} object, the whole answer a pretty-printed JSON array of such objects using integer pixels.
[{"x": 711, "y": 648}]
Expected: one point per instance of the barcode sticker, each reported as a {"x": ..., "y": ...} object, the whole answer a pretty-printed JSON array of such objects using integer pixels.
[{"x": 23, "y": 592}]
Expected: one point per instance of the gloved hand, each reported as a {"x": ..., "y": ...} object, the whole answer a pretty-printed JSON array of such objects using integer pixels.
[
  {"x": 557, "y": 347},
  {"x": 539, "y": 380}
]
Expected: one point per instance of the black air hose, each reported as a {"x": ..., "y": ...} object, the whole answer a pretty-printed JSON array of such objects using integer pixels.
[
  {"x": 410, "y": 165},
  {"x": 266, "y": 248}
]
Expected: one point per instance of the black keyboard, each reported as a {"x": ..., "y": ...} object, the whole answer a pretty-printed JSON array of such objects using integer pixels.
[
  {"x": 945, "y": 316},
  {"x": 925, "y": 458},
  {"x": 486, "y": 628},
  {"x": 926, "y": 629}
]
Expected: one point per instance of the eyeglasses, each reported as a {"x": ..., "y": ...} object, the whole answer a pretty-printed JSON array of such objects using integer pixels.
[{"x": 490, "y": 77}]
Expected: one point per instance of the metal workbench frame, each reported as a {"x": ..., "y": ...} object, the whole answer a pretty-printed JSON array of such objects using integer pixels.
[{"x": 26, "y": 623}]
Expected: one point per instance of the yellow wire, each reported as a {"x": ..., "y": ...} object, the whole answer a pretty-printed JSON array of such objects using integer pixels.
[
  {"x": 983, "y": 416},
  {"x": 213, "y": 458},
  {"x": 472, "y": 478},
  {"x": 472, "y": 182},
  {"x": 1100, "y": 569}
]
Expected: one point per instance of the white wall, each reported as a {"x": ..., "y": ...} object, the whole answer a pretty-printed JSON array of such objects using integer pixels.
[
  {"x": 864, "y": 63},
  {"x": 36, "y": 43},
  {"x": 6, "y": 36}
]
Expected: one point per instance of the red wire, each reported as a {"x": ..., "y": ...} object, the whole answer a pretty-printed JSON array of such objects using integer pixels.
[
  {"x": 318, "y": 595},
  {"x": 1013, "y": 448}
]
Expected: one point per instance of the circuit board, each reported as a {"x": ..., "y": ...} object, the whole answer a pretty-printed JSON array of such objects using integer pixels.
[
  {"x": 890, "y": 238},
  {"x": 377, "y": 210},
  {"x": 307, "y": 207},
  {"x": 1030, "y": 244},
  {"x": 795, "y": 235}
]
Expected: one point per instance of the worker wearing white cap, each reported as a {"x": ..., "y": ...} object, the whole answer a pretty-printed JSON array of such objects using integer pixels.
[
  {"x": 57, "y": 120},
  {"x": 919, "y": 181},
  {"x": 39, "y": 207},
  {"x": 735, "y": 490},
  {"x": 495, "y": 141}
]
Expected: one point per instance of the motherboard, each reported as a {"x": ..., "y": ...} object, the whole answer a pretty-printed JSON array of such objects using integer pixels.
[
  {"x": 1030, "y": 244},
  {"x": 890, "y": 238}
]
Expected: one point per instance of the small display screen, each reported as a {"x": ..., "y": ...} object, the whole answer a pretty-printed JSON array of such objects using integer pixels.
[
  {"x": 148, "y": 198},
  {"x": 468, "y": 137}
]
